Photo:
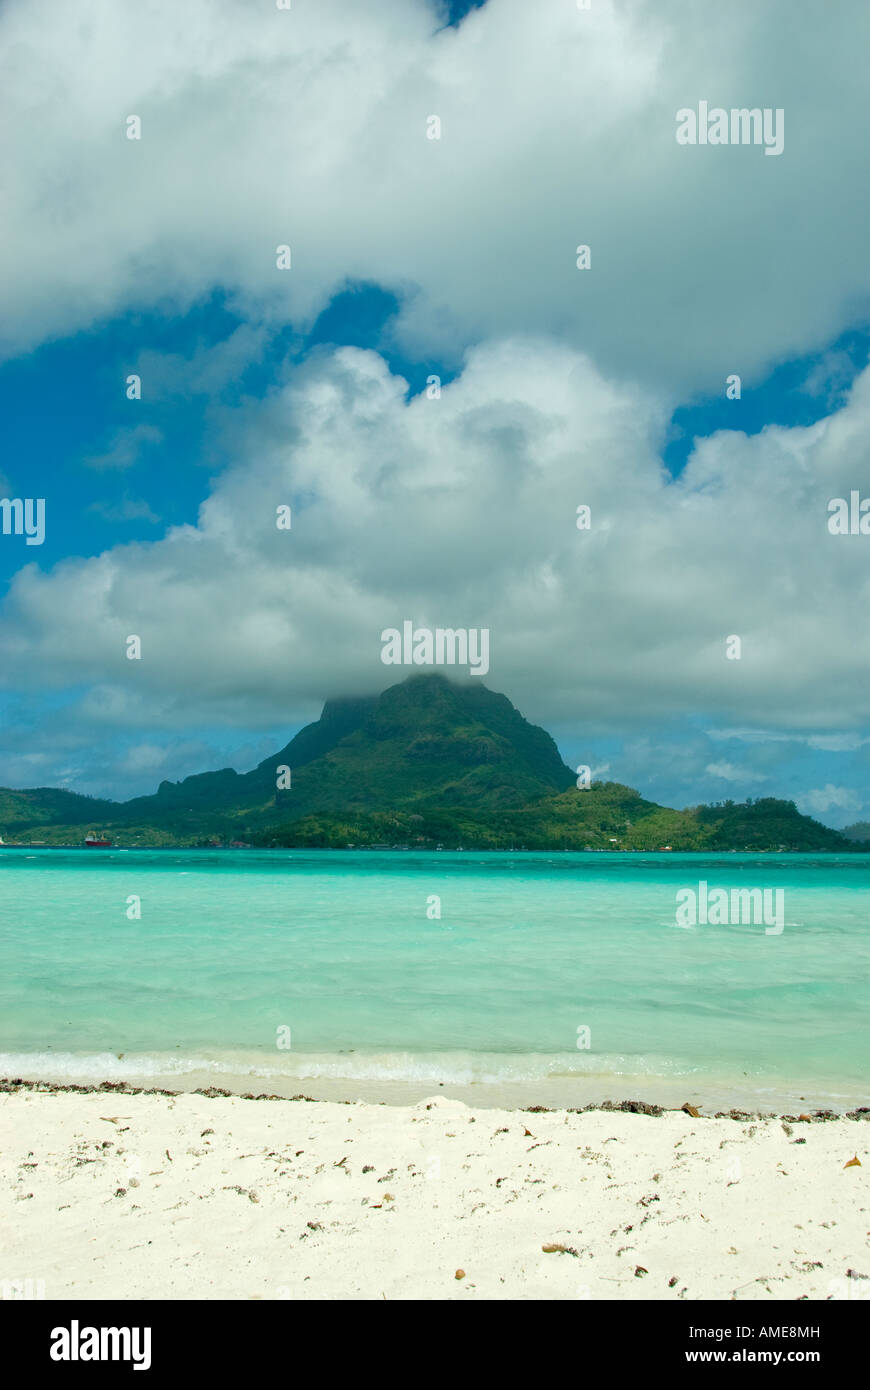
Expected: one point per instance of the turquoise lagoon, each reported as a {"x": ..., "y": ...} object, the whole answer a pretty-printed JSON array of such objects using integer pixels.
[{"x": 340, "y": 954}]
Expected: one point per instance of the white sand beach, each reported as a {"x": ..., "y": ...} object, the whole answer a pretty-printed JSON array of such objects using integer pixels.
[{"x": 147, "y": 1196}]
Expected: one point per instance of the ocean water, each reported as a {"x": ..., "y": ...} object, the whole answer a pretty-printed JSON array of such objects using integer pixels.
[{"x": 238, "y": 952}]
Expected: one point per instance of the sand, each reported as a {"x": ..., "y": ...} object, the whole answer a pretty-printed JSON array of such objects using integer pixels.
[{"x": 146, "y": 1196}]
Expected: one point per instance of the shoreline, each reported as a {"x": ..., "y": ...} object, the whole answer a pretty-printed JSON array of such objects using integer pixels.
[{"x": 403, "y": 1094}]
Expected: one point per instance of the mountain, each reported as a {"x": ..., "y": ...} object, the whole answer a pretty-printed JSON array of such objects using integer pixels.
[{"x": 428, "y": 762}]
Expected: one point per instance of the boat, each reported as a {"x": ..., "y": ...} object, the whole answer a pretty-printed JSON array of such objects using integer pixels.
[{"x": 97, "y": 841}]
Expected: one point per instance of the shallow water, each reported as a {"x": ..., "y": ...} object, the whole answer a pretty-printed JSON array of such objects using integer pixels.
[{"x": 530, "y": 950}]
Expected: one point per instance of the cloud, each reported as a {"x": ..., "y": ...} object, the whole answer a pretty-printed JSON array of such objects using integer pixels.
[
  {"x": 125, "y": 509},
  {"x": 206, "y": 372},
  {"x": 827, "y": 743},
  {"x": 824, "y": 799},
  {"x": 73, "y": 755},
  {"x": 461, "y": 512},
  {"x": 829, "y": 377},
  {"x": 308, "y": 127},
  {"x": 126, "y": 447},
  {"x": 731, "y": 773}
]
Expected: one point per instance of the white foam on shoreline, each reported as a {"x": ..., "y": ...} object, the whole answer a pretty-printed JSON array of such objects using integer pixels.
[
  {"x": 562, "y": 1079},
  {"x": 460, "y": 1067}
]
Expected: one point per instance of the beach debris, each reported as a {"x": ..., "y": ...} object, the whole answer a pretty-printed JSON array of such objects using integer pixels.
[
  {"x": 313, "y": 1225},
  {"x": 341, "y": 1162},
  {"x": 674, "y": 1279},
  {"x": 388, "y": 1197},
  {"x": 691, "y": 1110},
  {"x": 853, "y": 1274},
  {"x": 169, "y": 1156},
  {"x": 367, "y": 1167},
  {"x": 204, "y": 1132},
  {"x": 115, "y": 1119},
  {"x": 808, "y": 1119},
  {"x": 460, "y": 1274},
  {"x": 556, "y": 1248},
  {"x": 640, "y": 1272},
  {"x": 853, "y": 1162},
  {"x": 627, "y": 1107},
  {"x": 528, "y": 1133}
]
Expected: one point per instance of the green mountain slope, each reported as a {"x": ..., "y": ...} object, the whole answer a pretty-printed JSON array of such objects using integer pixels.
[
  {"x": 427, "y": 762},
  {"x": 26, "y": 810}
]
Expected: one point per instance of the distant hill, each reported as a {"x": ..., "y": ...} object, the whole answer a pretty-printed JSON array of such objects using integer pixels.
[
  {"x": 860, "y": 831},
  {"x": 21, "y": 810},
  {"x": 766, "y": 822},
  {"x": 428, "y": 762}
]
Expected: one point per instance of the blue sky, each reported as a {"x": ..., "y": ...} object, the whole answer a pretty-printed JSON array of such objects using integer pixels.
[
  {"x": 65, "y": 405},
  {"x": 454, "y": 259}
]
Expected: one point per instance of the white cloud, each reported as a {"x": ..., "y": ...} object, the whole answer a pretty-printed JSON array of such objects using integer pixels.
[
  {"x": 824, "y": 799},
  {"x": 126, "y": 447},
  {"x": 731, "y": 773},
  {"x": 826, "y": 743},
  {"x": 461, "y": 512},
  {"x": 308, "y": 127}
]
